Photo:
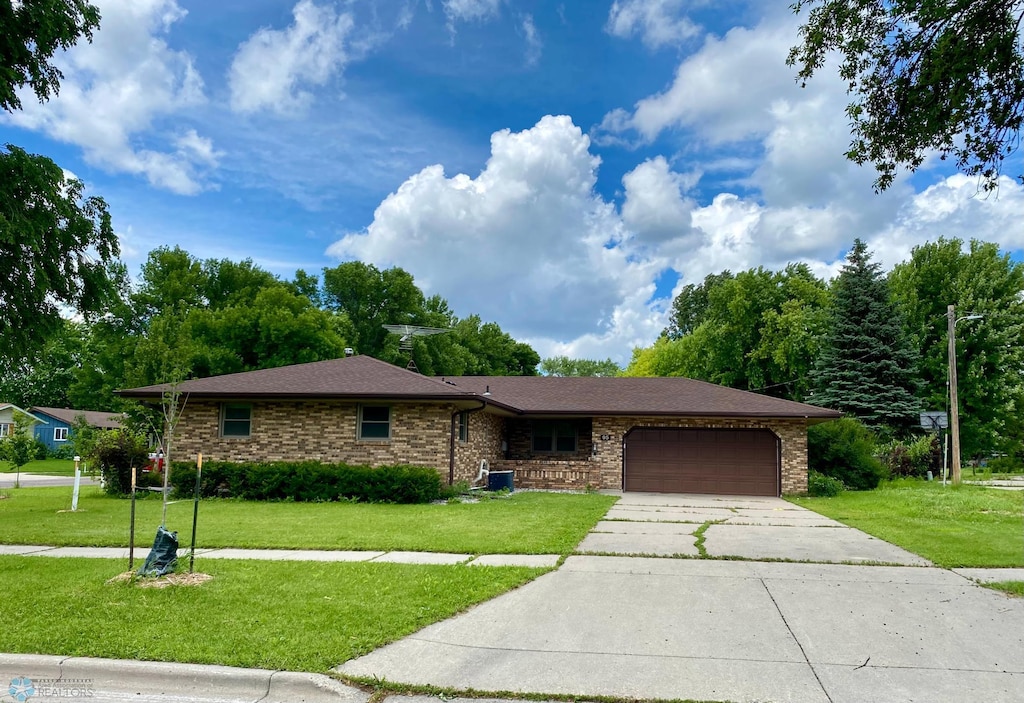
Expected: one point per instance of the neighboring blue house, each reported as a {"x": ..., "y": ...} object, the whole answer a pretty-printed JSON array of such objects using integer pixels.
[{"x": 57, "y": 430}]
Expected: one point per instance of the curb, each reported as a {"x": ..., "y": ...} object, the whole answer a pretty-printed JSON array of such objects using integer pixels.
[{"x": 195, "y": 682}]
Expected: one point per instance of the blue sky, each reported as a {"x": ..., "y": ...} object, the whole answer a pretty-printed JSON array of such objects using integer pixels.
[{"x": 559, "y": 168}]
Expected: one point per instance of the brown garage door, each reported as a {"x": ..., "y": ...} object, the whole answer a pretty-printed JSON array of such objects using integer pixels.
[{"x": 723, "y": 462}]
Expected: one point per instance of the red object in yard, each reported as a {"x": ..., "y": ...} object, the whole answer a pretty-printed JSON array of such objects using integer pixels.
[{"x": 156, "y": 463}]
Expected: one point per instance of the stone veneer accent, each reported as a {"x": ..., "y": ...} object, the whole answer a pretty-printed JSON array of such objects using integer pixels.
[{"x": 550, "y": 474}]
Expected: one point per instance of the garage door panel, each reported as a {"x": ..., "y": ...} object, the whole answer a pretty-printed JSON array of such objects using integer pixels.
[{"x": 683, "y": 460}]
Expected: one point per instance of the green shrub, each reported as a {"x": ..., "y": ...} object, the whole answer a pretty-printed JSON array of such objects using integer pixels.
[
  {"x": 1005, "y": 465},
  {"x": 308, "y": 481},
  {"x": 40, "y": 450},
  {"x": 116, "y": 452},
  {"x": 913, "y": 458},
  {"x": 64, "y": 451},
  {"x": 820, "y": 485},
  {"x": 845, "y": 449}
]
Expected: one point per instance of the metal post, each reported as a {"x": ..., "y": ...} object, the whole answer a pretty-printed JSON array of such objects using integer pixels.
[
  {"x": 131, "y": 530},
  {"x": 954, "y": 404},
  {"x": 195, "y": 513}
]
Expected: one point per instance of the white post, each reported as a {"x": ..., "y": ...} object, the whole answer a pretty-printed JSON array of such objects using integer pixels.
[
  {"x": 945, "y": 456},
  {"x": 78, "y": 482}
]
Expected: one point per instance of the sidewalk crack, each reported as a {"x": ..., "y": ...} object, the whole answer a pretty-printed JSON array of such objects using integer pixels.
[{"x": 793, "y": 635}]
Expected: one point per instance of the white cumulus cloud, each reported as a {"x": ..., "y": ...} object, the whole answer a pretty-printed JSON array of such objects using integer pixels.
[
  {"x": 273, "y": 67},
  {"x": 124, "y": 84},
  {"x": 656, "y": 207},
  {"x": 526, "y": 242}
]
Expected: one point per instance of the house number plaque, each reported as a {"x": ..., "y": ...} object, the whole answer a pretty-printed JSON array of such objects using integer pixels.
[{"x": 606, "y": 437}]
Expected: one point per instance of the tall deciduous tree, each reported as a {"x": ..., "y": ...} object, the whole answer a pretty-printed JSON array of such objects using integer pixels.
[
  {"x": 57, "y": 248},
  {"x": 990, "y": 351},
  {"x": 45, "y": 378},
  {"x": 943, "y": 76},
  {"x": 868, "y": 365},
  {"x": 690, "y": 307},
  {"x": 565, "y": 366},
  {"x": 757, "y": 330},
  {"x": 31, "y": 32},
  {"x": 372, "y": 298}
]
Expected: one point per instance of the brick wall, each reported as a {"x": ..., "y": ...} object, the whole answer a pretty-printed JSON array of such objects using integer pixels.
[
  {"x": 486, "y": 433},
  {"x": 318, "y": 430},
  {"x": 420, "y": 432}
]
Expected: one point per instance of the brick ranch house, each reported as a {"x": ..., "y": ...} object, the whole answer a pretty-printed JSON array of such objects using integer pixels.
[{"x": 672, "y": 435}]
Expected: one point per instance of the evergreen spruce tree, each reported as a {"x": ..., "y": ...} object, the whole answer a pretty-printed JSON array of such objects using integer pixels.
[{"x": 867, "y": 367}]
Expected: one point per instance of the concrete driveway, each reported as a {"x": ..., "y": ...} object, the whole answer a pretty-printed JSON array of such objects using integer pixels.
[
  {"x": 747, "y": 527},
  {"x": 642, "y": 627}
]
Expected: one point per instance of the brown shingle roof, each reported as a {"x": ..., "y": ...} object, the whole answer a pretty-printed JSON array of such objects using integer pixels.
[
  {"x": 365, "y": 377},
  {"x": 349, "y": 377},
  {"x": 633, "y": 396},
  {"x": 95, "y": 418}
]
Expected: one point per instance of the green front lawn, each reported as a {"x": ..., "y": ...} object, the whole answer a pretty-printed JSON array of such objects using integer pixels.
[
  {"x": 961, "y": 526},
  {"x": 524, "y": 523},
  {"x": 54, "y": 467},
  {"x": 307, "y": 616}
]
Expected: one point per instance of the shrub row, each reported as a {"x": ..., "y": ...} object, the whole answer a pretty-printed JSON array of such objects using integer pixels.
[{"x": 308, "y": 481}]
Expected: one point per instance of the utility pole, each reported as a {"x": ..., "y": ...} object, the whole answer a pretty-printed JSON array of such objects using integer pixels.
[{"x": 954, "y": 405}]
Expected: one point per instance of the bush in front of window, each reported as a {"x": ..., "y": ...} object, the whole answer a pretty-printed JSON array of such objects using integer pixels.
[{"x": 308, "y": 481}]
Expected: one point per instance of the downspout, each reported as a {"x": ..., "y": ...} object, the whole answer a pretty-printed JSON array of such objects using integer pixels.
[{"x": 451, "y": 440}]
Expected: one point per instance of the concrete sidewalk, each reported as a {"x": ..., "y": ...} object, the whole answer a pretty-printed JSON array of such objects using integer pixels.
[{"x": 533, "y": 560}]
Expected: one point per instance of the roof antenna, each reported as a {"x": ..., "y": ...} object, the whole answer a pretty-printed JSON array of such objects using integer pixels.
[{"x": 407, "y": 333}]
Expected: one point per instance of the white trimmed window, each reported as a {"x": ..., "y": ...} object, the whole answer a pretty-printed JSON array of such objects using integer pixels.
[
  {"x": 5, "y": 429},
  {"x": 236, "y": 420},
  {"x": 60, "y": 434},
  {"x": 374, "y": 422},
  {"x": 464, "y": 426}
]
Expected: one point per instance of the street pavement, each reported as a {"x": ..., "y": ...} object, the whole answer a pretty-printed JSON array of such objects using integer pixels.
[
  {"x": 41, "y": 679},
  {"x": 7, "y": 480},
  {"x": 841, "y": 630}
]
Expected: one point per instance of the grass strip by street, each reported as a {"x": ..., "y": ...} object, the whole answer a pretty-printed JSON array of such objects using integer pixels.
[
  {"x": 522, "y": 523},
  {"x": 962, "y": 526},
  {"x": 1013, "y": 588},
  {"x": 51, "y": 467},
  {"x": 269, "y": 615}
]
